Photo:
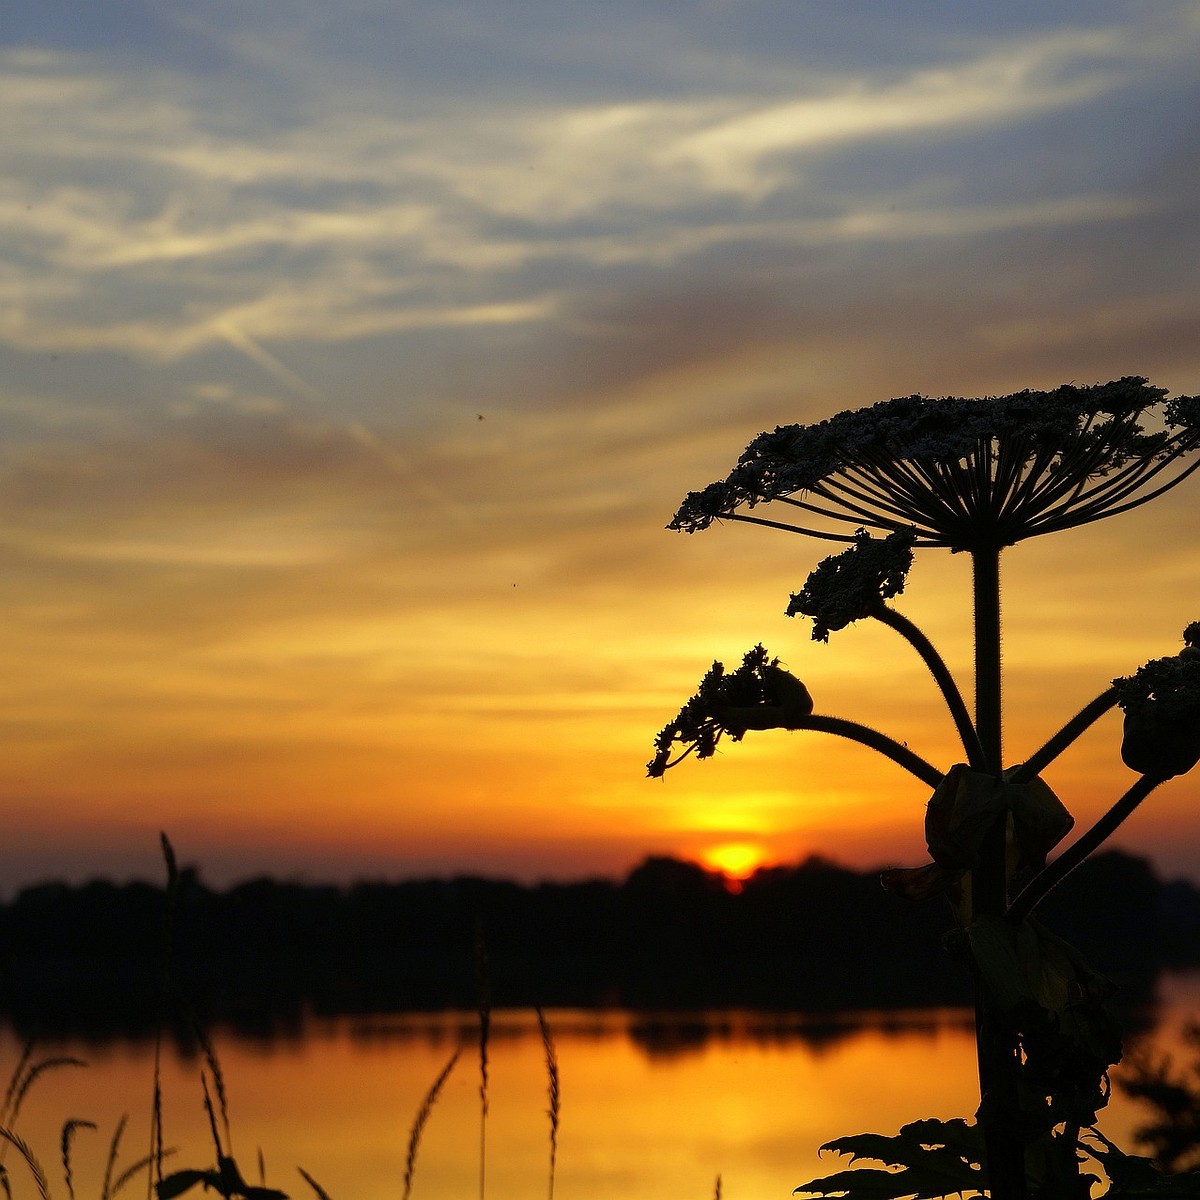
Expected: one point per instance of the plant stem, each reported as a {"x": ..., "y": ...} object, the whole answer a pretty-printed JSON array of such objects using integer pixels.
[
  {"x": 1078, "y": 724},
  {"x": 1047, "y": 880},
  {"x": 996, "y": 1045},
  {"x": 986, "y": 584},
  {"x": 945, "y": 681},
  {"x": 864, "y": 734}
]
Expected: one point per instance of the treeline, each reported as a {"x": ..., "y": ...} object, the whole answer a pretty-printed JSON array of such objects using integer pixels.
[{"x": 93, "y": 958}]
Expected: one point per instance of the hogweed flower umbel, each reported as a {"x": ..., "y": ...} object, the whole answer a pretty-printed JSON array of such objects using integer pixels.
[
  {"x": 966, "y": 474},
  {"x": 850, "y": 586},
  {"x": 760, "y": 694},
  {"x": 1161, "y": 702}
]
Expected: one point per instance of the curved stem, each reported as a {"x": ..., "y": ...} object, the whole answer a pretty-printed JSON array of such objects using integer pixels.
[
  {"x": 945, "y": 681},
  {"x": 1039, "y": 760},
  {"x": 1048, "y": 879},
  {"x": 866, "y": 736}
]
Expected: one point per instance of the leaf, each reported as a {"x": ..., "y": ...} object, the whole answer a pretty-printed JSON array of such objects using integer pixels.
[
  {"x": 935, "y": 1159},
  {"x": 1133, "y": 1176},
  {"x": 961, "y": 811},
  {"x": 179, "y": 1182},
  {"x": 1040, "y": 820}
]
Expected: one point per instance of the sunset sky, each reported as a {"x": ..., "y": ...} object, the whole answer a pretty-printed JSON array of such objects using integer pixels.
[{"x": 353, "y": 358}]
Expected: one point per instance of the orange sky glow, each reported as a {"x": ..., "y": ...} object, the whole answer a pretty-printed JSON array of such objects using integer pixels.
[{"x": 343, "y": 406}]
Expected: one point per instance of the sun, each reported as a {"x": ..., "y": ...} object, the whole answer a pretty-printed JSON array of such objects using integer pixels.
[{"x": 735, "y": 860}]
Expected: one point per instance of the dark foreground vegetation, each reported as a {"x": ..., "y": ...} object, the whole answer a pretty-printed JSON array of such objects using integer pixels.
[{"x": 88, "y": 959}]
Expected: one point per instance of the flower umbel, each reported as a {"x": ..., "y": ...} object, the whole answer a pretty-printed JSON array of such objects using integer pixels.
[
  {"x": 852, "y": 585},
  {"x": 1161, "y": 702},
  {"x": 760, "y": 694},
  {"x": 964, "y": 473}
]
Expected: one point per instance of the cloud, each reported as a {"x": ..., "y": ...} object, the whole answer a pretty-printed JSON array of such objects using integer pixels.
[
  {"x": 192, "y": 211},
  {"x": 261, "y": 278}
]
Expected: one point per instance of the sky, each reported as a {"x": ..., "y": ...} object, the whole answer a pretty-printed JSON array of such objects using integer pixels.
[{"x": 354, "y": 357}]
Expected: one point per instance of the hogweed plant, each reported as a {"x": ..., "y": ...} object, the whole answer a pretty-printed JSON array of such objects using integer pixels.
[{"x": 975, "y": 476}]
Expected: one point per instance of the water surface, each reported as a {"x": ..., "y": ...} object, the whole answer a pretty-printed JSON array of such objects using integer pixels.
[{"x": 650, "y": 1107}]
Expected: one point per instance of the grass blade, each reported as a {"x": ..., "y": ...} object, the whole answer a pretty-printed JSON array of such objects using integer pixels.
[
  {"x": 168, "y": 935},
  {"x": 111, "y": 1163},
  {"x": 212, "y": 1116},
  {"x": 210, "y": 1056},
  {"x": 14, "y": 1081},
  {"x": 68, "y": 1136},
  {"x": 552, "y": 1081},
  {"x": 418, "y": 1125},
  {"x": 35, "y": 1167},
  {"x": 321, "y": 1193},
  {"x": 31, "y": 1077},
  {"x": 485, "y": 1024},
  {"x": 142, "y": 1164}
]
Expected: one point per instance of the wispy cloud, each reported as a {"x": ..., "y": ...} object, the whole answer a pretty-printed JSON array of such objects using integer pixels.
[
  {"x": 359, "y": 218},
  {"x": 353, "y": 361}
]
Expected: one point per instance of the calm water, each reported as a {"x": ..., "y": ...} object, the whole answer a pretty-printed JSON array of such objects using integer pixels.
[{"x": 650, "y": 1109}]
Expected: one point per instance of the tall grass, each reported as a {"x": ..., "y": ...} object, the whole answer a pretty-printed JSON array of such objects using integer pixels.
[
  {"x": 23, "y": 1078},
  {"x": 485, "y": 1024},
  {"x": 553, "y": 1091},
  {"x": 226, "y": 1178},
  {"x": 418, "y": 1125}
]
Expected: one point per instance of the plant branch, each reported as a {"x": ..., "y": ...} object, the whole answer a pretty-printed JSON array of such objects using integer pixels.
[
  {"x": 889, "y": 747},
  {"x": 1083, "y": 720},
  {"x": 945, "y": 681},
  {"x": 1048, "y": 879}
]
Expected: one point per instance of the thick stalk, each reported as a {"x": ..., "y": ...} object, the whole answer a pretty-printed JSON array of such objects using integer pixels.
[{"x": 997, "y": 1050}]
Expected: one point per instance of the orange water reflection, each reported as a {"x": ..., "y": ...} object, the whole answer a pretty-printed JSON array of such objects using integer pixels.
[{"x": 651, "y": 1107}]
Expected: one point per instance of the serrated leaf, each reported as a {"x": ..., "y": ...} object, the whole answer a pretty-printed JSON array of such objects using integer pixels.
[
  {"x": 1133, "y": 1177},
  {"x": 179, "y": 1182},
  {"x": 934, "y": 1159},
  {"x": 873, "y": 1183}
]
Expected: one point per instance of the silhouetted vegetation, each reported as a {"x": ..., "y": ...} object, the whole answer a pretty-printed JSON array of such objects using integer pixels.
[
  {"x": 671, "y": 935},
  {"x": 976, "y": 477}
]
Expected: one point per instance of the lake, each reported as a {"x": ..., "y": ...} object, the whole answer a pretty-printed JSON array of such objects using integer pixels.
[{"x": 650, "y": 1107}]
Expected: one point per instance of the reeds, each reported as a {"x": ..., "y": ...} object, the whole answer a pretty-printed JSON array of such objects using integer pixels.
[
  {"x": 484, "y": 984},
  {"x": 226, "y": 1178},
  {"x": 418, "y": 1125},
  {"x": 68, "y": 1137},
  {"x": 552, "y": 1089},
  {"x": 154, "y": 1178},
  {"x": 24, "y": 1076}
]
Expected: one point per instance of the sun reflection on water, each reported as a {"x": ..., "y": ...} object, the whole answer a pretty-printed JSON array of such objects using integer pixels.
[{"x": 652, "y": 1104}]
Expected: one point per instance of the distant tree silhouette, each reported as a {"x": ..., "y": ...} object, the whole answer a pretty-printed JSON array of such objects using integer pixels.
[
  {"x": 974, "y": 476},
  {"x": 815, "y": 936}
]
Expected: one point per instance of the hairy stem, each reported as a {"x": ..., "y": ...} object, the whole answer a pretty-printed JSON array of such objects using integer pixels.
[
  {"x": 898, "y": 753},
  {"x": 996, "y": 1045},
  {"x": 945, "y": 681},
  {"x": 1078, "y": 724},
  {"x": 1087, "y": 843}
]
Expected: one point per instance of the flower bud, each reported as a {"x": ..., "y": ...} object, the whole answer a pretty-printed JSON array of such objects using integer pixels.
[{"x": 1161, "y": 702}]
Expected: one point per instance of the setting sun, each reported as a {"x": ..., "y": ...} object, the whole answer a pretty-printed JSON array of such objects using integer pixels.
[{"x": 737, "y": 860}]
